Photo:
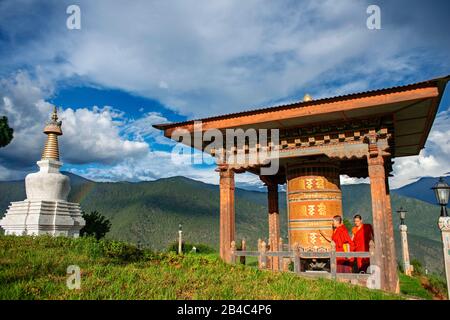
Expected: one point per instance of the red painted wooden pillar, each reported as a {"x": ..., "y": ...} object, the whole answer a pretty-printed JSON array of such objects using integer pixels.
[
  {"x": 274, "y": 222},
  {"x": 227, "y": 220},
  {"x": 390, "y": 242},
  {"x": 385, "y": 257}
]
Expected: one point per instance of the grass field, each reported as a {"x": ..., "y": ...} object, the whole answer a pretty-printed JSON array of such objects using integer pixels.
[
  {"x": 412, "y": 286},
  {"x": 36, "y": 268}
]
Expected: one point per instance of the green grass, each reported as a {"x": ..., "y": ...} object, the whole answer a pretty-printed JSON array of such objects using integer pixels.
[
  {"x": 35, "y": 268},
  {"x": 411, "y": 286}
]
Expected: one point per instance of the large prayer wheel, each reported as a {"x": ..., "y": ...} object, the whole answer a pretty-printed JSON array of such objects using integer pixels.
[{"x": 314, "y": 198}]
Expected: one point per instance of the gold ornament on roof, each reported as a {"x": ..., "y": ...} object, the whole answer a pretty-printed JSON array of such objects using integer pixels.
[
  {"x": 307, "y": 98},
  {"x": 52, "y": 130}
]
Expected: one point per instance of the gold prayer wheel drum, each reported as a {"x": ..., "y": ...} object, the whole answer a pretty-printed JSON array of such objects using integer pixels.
[{"x": 314, "y": 198}]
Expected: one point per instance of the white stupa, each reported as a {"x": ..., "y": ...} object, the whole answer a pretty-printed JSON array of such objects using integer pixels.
[{"x": 46, "y": 209}]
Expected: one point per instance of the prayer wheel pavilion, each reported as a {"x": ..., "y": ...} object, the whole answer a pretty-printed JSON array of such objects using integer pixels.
[{"x": 315, "y": 142}]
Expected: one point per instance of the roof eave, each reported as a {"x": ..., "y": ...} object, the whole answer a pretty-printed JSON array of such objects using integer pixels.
[{"x": 441, "y": 82}]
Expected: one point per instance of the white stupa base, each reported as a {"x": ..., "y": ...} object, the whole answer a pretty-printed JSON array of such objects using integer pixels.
[{"x": 38, "y": 217}]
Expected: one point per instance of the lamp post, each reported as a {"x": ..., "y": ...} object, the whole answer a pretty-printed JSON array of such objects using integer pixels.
[
  {"x": 404, "y": 239},
  {"x": 180, "y": 238},
  {"x": 442, "y": 191}
]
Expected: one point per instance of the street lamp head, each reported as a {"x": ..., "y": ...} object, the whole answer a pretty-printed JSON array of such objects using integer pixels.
[
  {"x": 402, "y": 213},
  {"x": 442, "y": 191},
  {"x": 180, "y": 227}
]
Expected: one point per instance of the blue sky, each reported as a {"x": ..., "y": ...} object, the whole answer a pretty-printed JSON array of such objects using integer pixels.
[{"x": 133, "y": 64}]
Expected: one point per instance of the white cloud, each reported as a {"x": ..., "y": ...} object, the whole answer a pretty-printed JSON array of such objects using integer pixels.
[
  {"x": 210, "y": 57},
  {"x": 89, "y": 135},
  {"x": 162, "y": 164},
  {"x": 432, "y": 161},
  {"x": 202, "y": 58},
  {"x": 348, "y": 180},
  {"x": 155, "y": 165},
  {"x": 92, "y": 136},
  {"x": 141, "y": 128}
]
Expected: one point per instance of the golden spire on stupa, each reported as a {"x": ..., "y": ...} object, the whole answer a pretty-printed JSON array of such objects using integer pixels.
[{"x": 52, "y": 130}]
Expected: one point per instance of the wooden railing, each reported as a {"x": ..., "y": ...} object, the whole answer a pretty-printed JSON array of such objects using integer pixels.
[{"x": 296, "y": 254}]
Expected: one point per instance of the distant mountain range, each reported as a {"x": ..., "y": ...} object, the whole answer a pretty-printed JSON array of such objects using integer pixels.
[
  {"x": 421, "y": 189},
  {"x": 149, "y": 212}
]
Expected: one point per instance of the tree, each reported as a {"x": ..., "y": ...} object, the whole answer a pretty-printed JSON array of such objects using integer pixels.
[
  {"x": 6, "y": 133},
  {"x": 97, "y": 225}
]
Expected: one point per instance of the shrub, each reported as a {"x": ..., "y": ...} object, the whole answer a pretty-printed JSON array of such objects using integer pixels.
[
  {"x": 418, "y": 268},
  {"x": 96, "y": 225},
  {"x": 400, "y": 267},
  {"x": 122, "y": 251},
  {"x": 6, "y": 133},
  {"x": 438, "y": 285}
]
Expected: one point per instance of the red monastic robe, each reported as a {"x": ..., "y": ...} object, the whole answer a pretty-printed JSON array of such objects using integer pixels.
[
  {"x": 361, "y": 239},
  {"x": 340, "y": 238}
]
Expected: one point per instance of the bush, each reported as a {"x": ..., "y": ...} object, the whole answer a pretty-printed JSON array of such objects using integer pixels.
[
  {"x": 122, "y": 251},
  {"x": 438, "y": 285},
  {"x": 96, "y": 225},
  {"x": 400, "y": 267},
  {"x": 6, "y": 133},
  {"x": 187, "y": 247},
  {"x": 418, "y": 268},
  {"x": 87, "y": 246}
]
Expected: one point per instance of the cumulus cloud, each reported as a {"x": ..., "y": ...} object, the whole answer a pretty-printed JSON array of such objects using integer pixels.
[
  {"x": 163, "y": 164},
  {"x": 94, "y": 137},
  {"x": 201, "y": 58},
  {"x": 432, "y": 161},
  {"x": 155, "y": 165},
  {"x": 142, "y": 128},
  {"x": 99, "y": 143},
  {"x": 206, "y": 57},
  {"x": 90, "y": 135}
]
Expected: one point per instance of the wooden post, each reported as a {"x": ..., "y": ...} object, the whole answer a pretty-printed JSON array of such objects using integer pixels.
[
  {"x": 382, "y": 221},
  {"x": 262, "y": 255},
  {"x": 227, "y": 222},
  {"x": 259, "y": 250},
  {"x": 243, "y": 248},
  {"x": 274, "y": 221},
  {"x": 372, "y": 251},
  {"x": 297, "y": 267},
  {"x": 333, "y": 264},
  {"x": 233, "y": 252},
  {"x": 269, "y": 259},
  {"x": 280, "y": 259},
  {"x": 390, "y": 242}
]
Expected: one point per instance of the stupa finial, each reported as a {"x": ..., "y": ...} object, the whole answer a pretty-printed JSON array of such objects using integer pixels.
[
  {"x": 52, "y": 130},
  {"x": 55, "y": 114}
]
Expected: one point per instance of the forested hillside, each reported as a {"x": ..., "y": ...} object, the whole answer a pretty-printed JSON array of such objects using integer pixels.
[{"x": 149, "y": 212}]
